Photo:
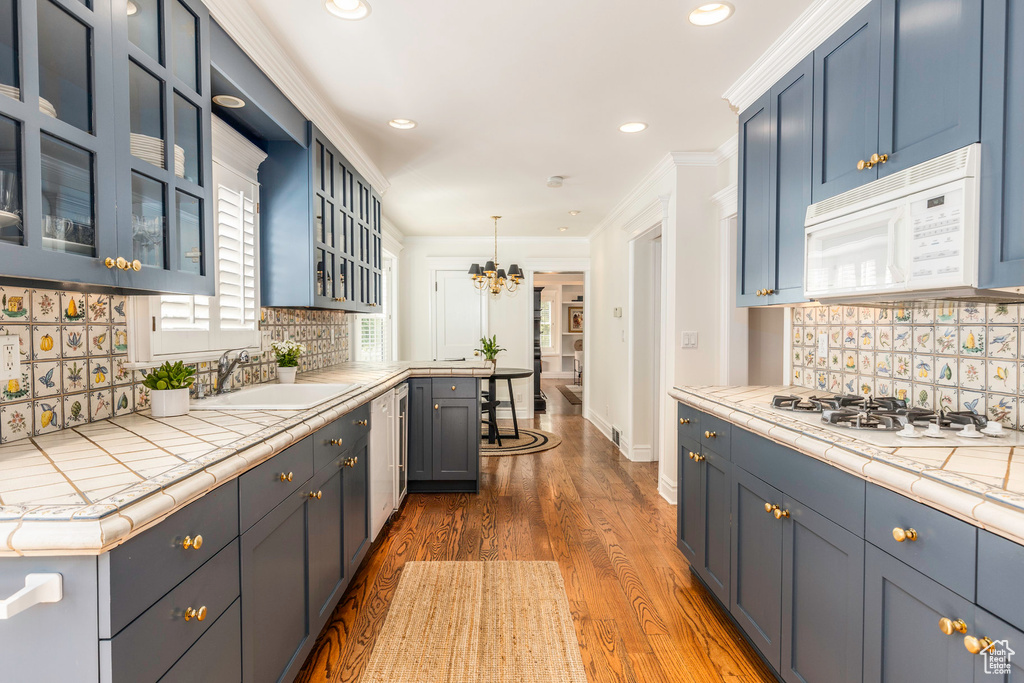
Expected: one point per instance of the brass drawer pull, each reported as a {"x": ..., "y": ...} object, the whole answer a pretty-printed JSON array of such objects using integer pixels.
[
  {"x": 192, "y": 543},
  {"x": 948, "y": 626},
  {"x": 316, "y": 495},
  {"x": 710, "y": 435},
  {"x": 285, "y": 477},
  {"x": 904, "y": 535},
  {"x": 197, "y": 614},
  {"x": 684, "y": 421}
]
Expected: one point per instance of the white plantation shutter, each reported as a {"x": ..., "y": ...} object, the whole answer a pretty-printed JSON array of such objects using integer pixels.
[
  {"x": 371, "y": 338},
  {"x": 236, "y": 259},
  {"x": 180, "y": 312}
]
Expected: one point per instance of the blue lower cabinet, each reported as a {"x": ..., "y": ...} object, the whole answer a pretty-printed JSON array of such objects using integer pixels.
[
  {"x": 713, "y": 560},
  {"x": 902, "y": 639},
  {"x": 217, "y": 656},
  {"x": 327, "y": 565},
  {"x": 822, "y": 599},
  {"x": 1003, "y": 661},
  {"x": 689, "y": 524},
  {"x": 756, "y": 575},
  {"x": 357, "y": 505}
]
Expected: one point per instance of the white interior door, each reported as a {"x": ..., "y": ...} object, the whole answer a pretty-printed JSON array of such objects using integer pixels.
[{"x": 460, "y": 315}]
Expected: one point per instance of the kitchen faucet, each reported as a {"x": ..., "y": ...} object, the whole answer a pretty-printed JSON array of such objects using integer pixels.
[{"x": 225, "y": 368}]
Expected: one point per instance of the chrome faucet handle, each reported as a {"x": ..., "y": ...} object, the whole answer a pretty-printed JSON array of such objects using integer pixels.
[{"x": 243, "y": 356}]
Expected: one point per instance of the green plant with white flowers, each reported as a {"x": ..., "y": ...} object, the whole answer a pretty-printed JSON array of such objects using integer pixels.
[{"x": 288, "y": 353}]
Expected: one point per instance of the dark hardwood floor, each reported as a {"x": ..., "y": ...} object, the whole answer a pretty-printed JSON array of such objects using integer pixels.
[{"x": 639, "y": 614}]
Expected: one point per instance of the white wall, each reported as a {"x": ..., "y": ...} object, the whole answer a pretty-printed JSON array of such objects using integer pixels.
[{"x": 510, "y": 316}]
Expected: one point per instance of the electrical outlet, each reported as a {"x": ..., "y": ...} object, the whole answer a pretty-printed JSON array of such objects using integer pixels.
[
  {"x": 688, "y": 340},
  {"x": 10, "y": 357},
  {"x": 822, "y": 345}
]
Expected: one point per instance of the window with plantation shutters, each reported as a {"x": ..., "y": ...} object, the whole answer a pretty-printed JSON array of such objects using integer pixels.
[{"x": 193, "y": 327}]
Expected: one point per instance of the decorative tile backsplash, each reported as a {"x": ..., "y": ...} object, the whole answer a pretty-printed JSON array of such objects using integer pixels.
[
  {"x": 74, "y": 356},
  {"x": 953, "y": 356}
]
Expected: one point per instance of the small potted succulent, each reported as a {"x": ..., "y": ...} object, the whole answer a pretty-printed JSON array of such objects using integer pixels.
[
  {"x": 490, "y": 349},
  {"x": 169, "y": 385},
  {"x": 287, "y": 353}
]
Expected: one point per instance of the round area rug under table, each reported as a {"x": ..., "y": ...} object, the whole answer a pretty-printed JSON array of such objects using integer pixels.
[{"x": 529, "y": 441}]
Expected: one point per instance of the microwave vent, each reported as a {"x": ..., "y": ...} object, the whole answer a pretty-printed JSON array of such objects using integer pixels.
[{"x": 954, "y": 165}]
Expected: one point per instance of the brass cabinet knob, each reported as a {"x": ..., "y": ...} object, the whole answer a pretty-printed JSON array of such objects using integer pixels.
[
  {"x": 976, "y": 645},
  {"x": 948, "y": 626},
  {"x": 696, "y": 457},
  {"x": 780, "y": 513},
  {"x": 769, "y": 508},
  {"x": 121, "y": 263},
  {"x": 317, "y": 495},
  {"x": 710, "y": 435},
  {"x": 109, "y": 262},
  {"x": 436, "y": 406},
  {"x": 453, "y": 387},
  {"x": 760, "y": 292},
  {"x": 904, "y": 535},
  {"x": 192, "y": 543},
  {"x": 136, "y": 265},
  {"x": 769, "y": 292},
  {"x": 285, "y": 477},
  {"x": 683, "y": 421},
  {"x": 335, "y": 442},
  {"x": 363, "y": 423},
  {"x": 861, "y": 165},
  {"x": 197, "y": 614},
  {"x": 691, "y": 455},
  {"x": 349, "y": 462},
  {"x": 339, "y": 298},
  {"x": 877, "y": 158}
]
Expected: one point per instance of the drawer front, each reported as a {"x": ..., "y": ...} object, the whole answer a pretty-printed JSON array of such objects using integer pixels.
[
  {"x": 837, "y": 495},
  {"x": 1000, "y": 564},
  {"x": 217, "y": 656},
  {"x": 346, "y": 430},
  {"x": 135, "y": 575},
  {"x": 689, "y": 425},
  {"x": 716, "y": 434},
  {"x": 262, "y": 489},
  {"x": 455, "y": 387},
  {"x": 151, "y": 644},
  {"x": 945, "y": 547}
]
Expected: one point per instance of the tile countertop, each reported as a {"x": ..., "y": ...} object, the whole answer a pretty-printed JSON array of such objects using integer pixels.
[
  {"x": 88, "y": 489},
  {"x": 983, "y": 485}
]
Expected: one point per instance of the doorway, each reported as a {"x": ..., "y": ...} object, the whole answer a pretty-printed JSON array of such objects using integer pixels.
[
  {"x": 560, "y": 343},
  {"x": 460, "y": 316},
  {"x": 645, "y": 352}
]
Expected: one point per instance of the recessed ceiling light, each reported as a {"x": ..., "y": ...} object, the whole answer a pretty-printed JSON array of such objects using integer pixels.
[
  {"x": 562, "y": 229},
  {"x": 229, "y": 101},
  {"x": 712, "y": 13},
  {"x": 133, "y": 9},
  {"x": 402, "y": 124},
  {"x": 574, "y": 212},
  {"x": 633, "y": 127},
  {"x": 353, "y": 10}
]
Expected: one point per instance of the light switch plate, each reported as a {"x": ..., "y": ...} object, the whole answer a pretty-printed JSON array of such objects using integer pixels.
[
  {"x": 689, "y": 340},
  {"x": 10, "y": 357}
]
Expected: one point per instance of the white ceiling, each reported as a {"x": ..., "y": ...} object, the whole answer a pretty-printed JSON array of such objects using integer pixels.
[{"x": 509, "y": 93}]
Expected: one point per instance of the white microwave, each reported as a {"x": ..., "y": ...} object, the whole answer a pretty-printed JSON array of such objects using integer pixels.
[{"x": 910, "y": 235}]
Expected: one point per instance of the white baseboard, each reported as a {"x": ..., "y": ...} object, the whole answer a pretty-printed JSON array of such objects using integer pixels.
[
  {"x": 556, "y": 375},
  {"x": 598, "y": 422},
  {"x": 642, "y": 454},
  {"x": 667, "y": 489}
]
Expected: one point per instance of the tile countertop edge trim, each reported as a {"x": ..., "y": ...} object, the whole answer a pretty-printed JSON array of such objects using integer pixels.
[
  {"x": 987, "y": 513},
  {"x": 25, "y": 537}
]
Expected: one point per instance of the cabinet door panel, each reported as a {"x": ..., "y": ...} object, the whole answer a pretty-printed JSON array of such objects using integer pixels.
[
  {"x": 275, "y": 618},
  {"x": 989, "y": 670},
  {"x": 456, "y": 434},
  {"x": 756, "y": 577},
  {"x": 326, "y": 547},
  {"x": 715, "y": 492},
  {"x": 930, "y": 79},
  {"x": 357, "y": 512},
  {"x": 689, "y": 518},
  {"x": 753, "y": 219},
  {"x": 846, "y": 105},
  {"x": 822, "y": 599},
  {"x": 902, "y": 640},
  {"x": 790, "y": 191},
  {"x": 421, "y": 424}
]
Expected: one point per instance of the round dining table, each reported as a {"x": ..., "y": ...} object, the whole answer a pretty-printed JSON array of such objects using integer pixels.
[{"x": 507, "y": 374}]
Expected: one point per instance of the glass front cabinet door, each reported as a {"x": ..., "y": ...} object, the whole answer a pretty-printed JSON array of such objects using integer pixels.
[{"x": 104, "y": 143}]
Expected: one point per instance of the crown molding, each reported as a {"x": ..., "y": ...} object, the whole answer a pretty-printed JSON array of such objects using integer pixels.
[
  {"x": 627, "y": 205},
  {"x": 726, "y": 200},
  {"x": 728, "y": 149},
  {"x": 241, "y": 23},
  {"x": 654, "y": 213},
  {"x": 417, "y": 240},
  {"x": 232, "y": 150},
  {"x": 392, "y": 239},
  {"x": 817, "y": 23}
]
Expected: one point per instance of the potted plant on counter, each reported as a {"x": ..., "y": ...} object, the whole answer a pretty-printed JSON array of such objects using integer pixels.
[
  {"x": 168, "y": 385},
  {"x": 490, "y": 349},
  {"x": 287, "y": 353}
]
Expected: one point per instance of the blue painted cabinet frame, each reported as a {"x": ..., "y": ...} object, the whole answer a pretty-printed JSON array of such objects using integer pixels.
[{"x": 752, "y": 270}]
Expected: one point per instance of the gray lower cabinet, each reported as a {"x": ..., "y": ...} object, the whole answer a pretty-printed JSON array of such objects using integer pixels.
[
  {"x": 756, "y": 575},
  {"x": 327, "y": 565},
  {"x": 444, "y": 435},
  {"x": 1006, "y": 639},
  {"x": 690, "y": 537},
  {"x": 902, "y": 640},
  {"x": 420, "y": 428},
  {"x": 713, "y": 558},
  {"x": 216, "y": 656},
  {"x": 456, "y": 438},
  {"x": 357, "y": 512}
]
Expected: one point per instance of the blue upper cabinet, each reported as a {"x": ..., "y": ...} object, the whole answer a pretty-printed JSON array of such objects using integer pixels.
[
  {"x": 1002, "y": 154},
  {"x": 774, "y": 190},
  {"x": 164, "y": 196},
  {"x": 846, "y": 105},
  {"x": 753, "y": 217},
  {"x": 104, "y": 143},
  {"x": 930, "y": 80}
]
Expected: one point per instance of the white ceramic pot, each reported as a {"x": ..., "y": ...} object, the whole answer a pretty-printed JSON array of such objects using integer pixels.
[
  {"x": 170, "y": 402},
  {"x": 286, "y": 375}
]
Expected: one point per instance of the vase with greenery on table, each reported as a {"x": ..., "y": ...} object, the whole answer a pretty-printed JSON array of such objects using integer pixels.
[
  {"x": 490, "y": 349},
  {"x": 168, "y": 386},
  {"x": 287, "y": 353}
]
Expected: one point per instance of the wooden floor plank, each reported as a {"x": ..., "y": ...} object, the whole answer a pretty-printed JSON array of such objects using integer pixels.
[{"x": 639, "y": 613}]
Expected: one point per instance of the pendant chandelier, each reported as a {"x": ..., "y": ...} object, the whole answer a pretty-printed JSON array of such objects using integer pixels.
[{"x": 493, "y": 278}]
